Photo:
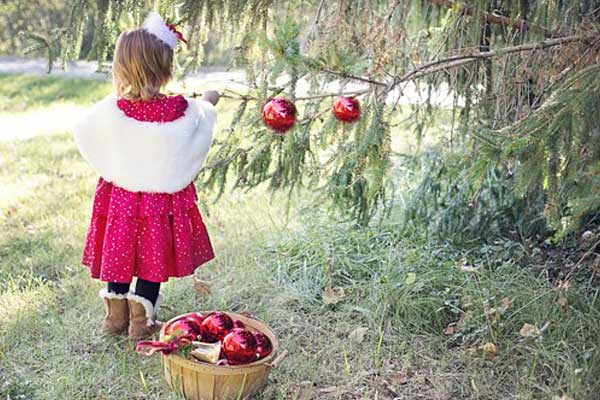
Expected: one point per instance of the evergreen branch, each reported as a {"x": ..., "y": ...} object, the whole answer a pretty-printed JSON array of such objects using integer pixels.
[
  {"x": 353, "y": 77},
  {"x": 561, "y": 98},
  {"x": 239, "y": 96},
  {"x": 519, "y": 24},
  {"x": 324, "y": 95},
  {"x": 429, "y": 67},
  {"x": 315, "y": 24},
  {"x": 461, "y": 59}
]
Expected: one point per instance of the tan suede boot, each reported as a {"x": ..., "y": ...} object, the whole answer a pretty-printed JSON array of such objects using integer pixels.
[
  {"x": 116, "y": 320},
  {"x": 142, "y": 316}
]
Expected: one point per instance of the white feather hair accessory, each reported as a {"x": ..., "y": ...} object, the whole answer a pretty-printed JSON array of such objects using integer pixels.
[{"x": 156, "y": 25}]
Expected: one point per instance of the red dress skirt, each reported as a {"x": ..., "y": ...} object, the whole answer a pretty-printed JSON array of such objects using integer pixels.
[{"x": 153, "y": 236}]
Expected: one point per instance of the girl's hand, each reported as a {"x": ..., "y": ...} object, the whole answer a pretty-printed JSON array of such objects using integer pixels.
[{"x": 212, "y": 96}]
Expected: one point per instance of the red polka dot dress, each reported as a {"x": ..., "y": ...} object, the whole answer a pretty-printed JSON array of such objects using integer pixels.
[{"x": 153, "y": 236}]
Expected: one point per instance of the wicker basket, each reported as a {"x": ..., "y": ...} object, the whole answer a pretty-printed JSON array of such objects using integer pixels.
[{"x": 199, "y": 381}]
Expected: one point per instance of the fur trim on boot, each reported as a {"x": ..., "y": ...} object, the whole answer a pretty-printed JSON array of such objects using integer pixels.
[
  {"x": 142, "y": 316},
  {"x": 116, "y": 320}
]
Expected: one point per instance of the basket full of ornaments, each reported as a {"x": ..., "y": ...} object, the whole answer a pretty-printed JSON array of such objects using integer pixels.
[{"x": 216, "y": 355}]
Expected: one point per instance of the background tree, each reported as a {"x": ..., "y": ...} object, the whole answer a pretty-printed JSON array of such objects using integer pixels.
[{"x": 523, "y": 75}]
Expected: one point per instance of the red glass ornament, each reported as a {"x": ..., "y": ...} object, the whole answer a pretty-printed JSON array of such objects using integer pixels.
[
  {"x": 279, "y": 114},
  {"x": 183, "y": 327},
  {"x": 346, "y": 109},
  {"x": 215, "y": 326},
  {"x": 239, "y": 346},
  {"x": 199, "y": 318},
  {"x": 238, "y": 324},
  {"x": 264, "y": 347}
]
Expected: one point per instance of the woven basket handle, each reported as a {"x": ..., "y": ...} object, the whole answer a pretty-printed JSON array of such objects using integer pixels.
[{"x": 275, "y": 363}]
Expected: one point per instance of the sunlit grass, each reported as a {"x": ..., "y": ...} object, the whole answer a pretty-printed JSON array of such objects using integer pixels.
[{"x": 22, "y": 93}]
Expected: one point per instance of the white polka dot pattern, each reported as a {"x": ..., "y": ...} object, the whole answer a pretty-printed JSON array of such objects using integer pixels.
[{"x": 153, "y": 236}]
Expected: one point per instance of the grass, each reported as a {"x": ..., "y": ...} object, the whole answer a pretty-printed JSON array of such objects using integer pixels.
[
  {"x": 22, "y": 93},
  {"x": 441, "y": 322}
]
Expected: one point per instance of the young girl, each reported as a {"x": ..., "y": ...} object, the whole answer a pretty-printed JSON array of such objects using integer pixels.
[{"x": 147, "y": 149}]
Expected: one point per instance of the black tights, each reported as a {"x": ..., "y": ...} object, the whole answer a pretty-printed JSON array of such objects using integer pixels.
[{"x": 146, "y": 289}]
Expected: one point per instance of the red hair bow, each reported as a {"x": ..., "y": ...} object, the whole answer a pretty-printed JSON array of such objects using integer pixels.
[{"x": 173, "y": 28}]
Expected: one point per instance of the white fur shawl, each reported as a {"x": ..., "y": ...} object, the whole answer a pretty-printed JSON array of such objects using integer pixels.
[{"x": 160, "y": 157}]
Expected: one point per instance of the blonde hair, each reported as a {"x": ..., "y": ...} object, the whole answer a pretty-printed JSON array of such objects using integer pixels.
[{"x": 142, "y": 65}]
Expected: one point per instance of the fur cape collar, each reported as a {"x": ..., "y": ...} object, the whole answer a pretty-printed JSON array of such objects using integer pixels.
[{"x": 159, "y": 157}]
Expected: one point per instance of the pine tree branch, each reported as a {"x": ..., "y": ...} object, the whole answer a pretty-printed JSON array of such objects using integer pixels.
[
  {"x": 451, "y": 62},
  {"x": 461, "y": 59},
  {"x": 353, "y": 77},
  {"x": 321, "y": 96},
  {"x": 492, "y": 18},
  {"x": 429, "y": 67},
  {"x": 317, "y": 17}
]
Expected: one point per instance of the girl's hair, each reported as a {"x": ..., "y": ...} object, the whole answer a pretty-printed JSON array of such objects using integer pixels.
[{"x": 142, "y": 64}]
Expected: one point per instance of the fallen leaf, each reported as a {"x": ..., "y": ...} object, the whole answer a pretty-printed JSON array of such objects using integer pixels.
[
  {"x": 563, "y": 284},
  {"x": 469, "y": 268},
  {"x": 451, "y": 329},
  {"x": 563, "y": 397},
  {"x": 564, "y": 303},
  {"x": 489, "y": 349},
  {"x": 399, "y": 378},
  {"x": 202, "y": 287},
  {"x": 596, "y": 265},
  {"x": 392, "y": 390},
  {"x": 588, "y": 239},
  {"x": 333, "y": 295},
  {"x": 358, "y": 334},
  {"x": 304, "y": 390},
  {"x": 506, "y": 302},
  {"x": 411, "y": 278},
  {"x": 528, "y": 330},
  {"x": 472, "y": 351},
  {"x": 330, "y": 389}
]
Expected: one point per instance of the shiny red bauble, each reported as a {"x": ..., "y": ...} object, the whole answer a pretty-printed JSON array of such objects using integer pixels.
[
  {"x": 346, "y": 109},
  {"x": 239, "y": 346},
  {"x": 238, "y": 324},
  {"x": 183, "y": 327},
  {"x": 199, "y": 318},
  {"x": 264, "y": 347},
  {"x": 215, "y": 326},
  {"x": 279, "y": 114}
]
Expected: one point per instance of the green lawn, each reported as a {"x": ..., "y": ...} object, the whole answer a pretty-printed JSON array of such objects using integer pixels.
[
  {"x": 22, "y": 93},
  {"x": 404, "y": 291}
]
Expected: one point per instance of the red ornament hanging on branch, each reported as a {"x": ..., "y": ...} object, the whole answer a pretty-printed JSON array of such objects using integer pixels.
[
  {"x": 346, "y": 109},
  {"x": 279, "y": 114}
]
